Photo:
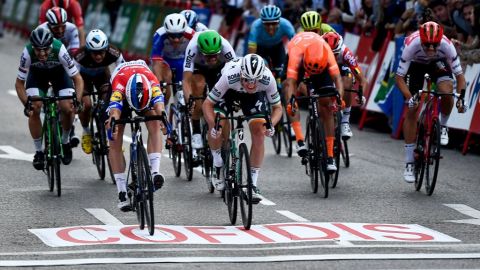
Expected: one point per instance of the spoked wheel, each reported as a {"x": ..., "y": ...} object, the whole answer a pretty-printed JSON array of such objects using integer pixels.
[
  {"x": 419, "y": 157},
  {"x": 176, "y": 154},
  {"x": 277, "y": 139},
  {"x": 286, "y": 134},
  {"x": 245, "y": 185},
  {"x": 344, "y": 153},
  {"x": 322, "y": 152},
  {"x": 49, "y": 167},
  {"x": 208, "y": 169},
  {"x": 145, "y": 178},
  {"x": 57, "y": 153},
  {"x": 99, "y": 144},
  {"x": 312, "y": 166},
  {"x": 187, "y": 148},
  {"x": 231, "y": 188},
  {"x": 433, "y": 158},
  {"x": 336, "y": 152}
]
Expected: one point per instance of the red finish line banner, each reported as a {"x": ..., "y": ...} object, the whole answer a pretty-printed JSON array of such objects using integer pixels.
[{"x": 258, "y": 234}]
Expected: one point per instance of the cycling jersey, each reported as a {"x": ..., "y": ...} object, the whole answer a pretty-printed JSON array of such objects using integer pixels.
[
  {"x": 87, "y": 65},
  {"x": 259, "y": 37},
  {"x": 324, "y": 28},
  {"x": 74, "y": 11},
  {"x": 194, "y": 58},
  {"x": 296, "y": 48},
  {"x": 199, "y": 27},
  {"x": 347, "y": 58},
  {"x": 70, "y": 38},
  {"x": 58, "y": 56},
  {"x": 231, "y": 80},
  {"x": 414, "y": 52},
  {"x": 120, "y": 77},
  {"x": 162, "y": 48}
]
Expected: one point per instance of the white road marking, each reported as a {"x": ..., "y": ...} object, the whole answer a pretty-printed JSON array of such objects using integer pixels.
[
  {"x": 466, "y": 210},
  {"x": 266, "y": 201},
  {"x": 12, "y": 92},
  {"x": 280, "y": 258},
  {"x": 292, "y": 216},
  {"x": 14, "y": 153},
  {"x": 104, "y": 216}
]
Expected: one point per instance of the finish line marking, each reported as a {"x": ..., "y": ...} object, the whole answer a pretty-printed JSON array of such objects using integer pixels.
[
  {"x": 292, "y": 216},
  {"x": 104, "y": 216},
  {"x": 282, "y": 258}
]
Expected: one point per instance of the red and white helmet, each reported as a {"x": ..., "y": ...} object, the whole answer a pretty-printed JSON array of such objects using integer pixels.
[
  {"x": 56, "y": 16},
  {"x": 431, "y": 33},
  {"x": 138, "y": 92},
  {"x": 334, "y": 40}
]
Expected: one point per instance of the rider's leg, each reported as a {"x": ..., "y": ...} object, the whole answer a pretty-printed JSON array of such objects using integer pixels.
[
  {"x": 347, "y": 97},
  {"x": 297, "y": 126},
  {"x": 154, "y": 149},
  {"x": 257, "y": 150},
  {"x": 117, "y": 160},
  {"x": 198, "y": 86}
]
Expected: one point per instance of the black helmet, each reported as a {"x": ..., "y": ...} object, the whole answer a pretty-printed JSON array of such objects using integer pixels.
[{"x": 41, "y": 38}]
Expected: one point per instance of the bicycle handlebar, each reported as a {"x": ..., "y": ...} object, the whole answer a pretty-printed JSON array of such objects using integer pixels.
[
  {"x": 30, "y": 99},
  {"x": 139, "y": 119}
]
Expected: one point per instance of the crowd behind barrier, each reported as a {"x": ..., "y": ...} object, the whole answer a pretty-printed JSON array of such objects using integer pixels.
[{"x": 373, "y": 29}]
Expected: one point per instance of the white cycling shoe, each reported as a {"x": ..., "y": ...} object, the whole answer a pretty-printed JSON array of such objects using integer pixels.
[
  {"x": 408, "y": 174},
  {"x": 197, "y": 142},
  {"x": 346, "y": 130},
  {"x": 444, "y": 135}
]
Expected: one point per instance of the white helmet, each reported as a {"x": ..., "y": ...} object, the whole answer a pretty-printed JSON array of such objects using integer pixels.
[
  {"x": 175, "y": 23},
  {"x": 253, "y": 66},
  {"x": 96, "y": 40}
]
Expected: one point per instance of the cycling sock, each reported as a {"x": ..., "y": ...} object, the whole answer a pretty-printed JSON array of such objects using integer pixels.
[
  {"x": 346, "y": 115},
  {"x": 196, "y": 127},
  {"x": 154, "y": 162},
  {"x": 66, "y": 136},
  {"x": 297, "y": 127},
  {"x": 217, "y": 157},
  {"x": 38, "y": 144},
  {"x": 330, "y": 145},
  {"x": 121, "y": 180},
  {"x": 86, "y": 130},
  {"x": 444, "y": 119},
  {"x": 255, "y": 172},
  {"x": 409, "y": 147}
]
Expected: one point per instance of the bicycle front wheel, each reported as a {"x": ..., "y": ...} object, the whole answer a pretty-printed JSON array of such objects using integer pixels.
[
  {"x": 277, "y": 139},
  {"x": 337, "y": 150},
  {"x": 322, "y": 160},
  {"x": 419, "y": 157},
  {"x": 231, "y": 188},
  {"x": 144, "y": 179},
  {"x": 208, "y": 169},
  {"x": 433, "y": 158},
  {"x": 244, "y": 181},
  {"x": 48, "y": 137},
  {"x": 187, "y": 147},
  {"x": 344, "y": 153},
  {"x": 57, "y": 154},
  {"x": 312, "y": 166},
  {"x": 286, "y": 134}
]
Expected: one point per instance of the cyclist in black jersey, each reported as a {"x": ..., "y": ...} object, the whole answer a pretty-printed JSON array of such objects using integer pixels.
[{"x": 93, "y": 61}]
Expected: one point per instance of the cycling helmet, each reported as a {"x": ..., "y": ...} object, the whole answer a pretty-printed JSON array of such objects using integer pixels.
[
  {"x": 209, "y": 42},
  {"x": 431, "y": 32},
  {"x": 175, "y": 23},
  {"x": 138, "y": 92},
  {"x": 334, "y": 40},
  {"x": 311, "y": 21},
  {"x": 270, "y": 13},
  {"x": 315, "y": 59},
  {"x": 252, "y": 67},
  {"x": 41, "y": 38},
  {"x": 61, "y": 3},
  {"x": 56, "y": 16},
  {"x": 96, "y": 40},
  {"x": 191, "y": 17}
]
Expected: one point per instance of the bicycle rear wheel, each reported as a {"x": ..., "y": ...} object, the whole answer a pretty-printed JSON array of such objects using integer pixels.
[
  {"x": 322, "y": 160},
  {"x": 57, "y": 153},
  {"x": 99, "y": 144},
  {"x": 231, "y": 188},
  {"x": 48, "y": 137},
  {"x": 245, "y": 185},
  {"x": 176, "y": 154},
  {"x": 286, "y": 132},
  {"x": 419, "y": 157},
  {"x": 208, "y": 168},
  {"x": 433, "y": 158},
  {"x": 277, "y": 139},
  {"x": 344, "y": 153},
  {"x": 187, "y": 147},
  {"x": 146, "y": 184},
  {"x": 337, "y": 150},
  {"x": 312, "y": 168}
]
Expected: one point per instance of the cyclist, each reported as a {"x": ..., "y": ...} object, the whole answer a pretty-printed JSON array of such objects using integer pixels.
[
  {"x": 321, "y": 69},
  {"x": 135, "y": 88},
  {"x": 427, "y": 51},
  {"x": 348, "y": 65},
  {"x": 193, "y": 21},
  {"x": 250, "y": 82},
  {"x": 73, "y": 9},
  {"x": 45, "y": 61},
  {"x": 62, "y": 30},
  {"x": 267, "y": 35},
  {"x": 207, "y": 54},
  {"x": 312, "y": 21},
  {"x": 94, "y": 60},
  {"x": 168, "y": 49}
]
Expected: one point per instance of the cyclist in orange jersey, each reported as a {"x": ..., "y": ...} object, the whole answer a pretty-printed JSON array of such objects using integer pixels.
[{"x": 310, "y": 57}]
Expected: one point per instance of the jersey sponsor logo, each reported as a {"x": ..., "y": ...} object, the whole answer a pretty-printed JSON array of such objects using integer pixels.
[
  {"x": 233, "y": 78},
  {"x": 116, "y": 97},
  {"x": 351, "y": 59},
  {"x": 23, "y": 61},
  {"x": 275, "y": 96},
  {"x": 215, "y": 92},
  {"x": 265, "y": 80},
  {"x": 229, "y": 56},
  {"x": 189, "y": 59},
  {"x": 68, "y": 59}
]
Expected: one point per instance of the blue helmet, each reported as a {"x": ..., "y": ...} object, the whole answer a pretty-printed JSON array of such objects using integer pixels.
[
  {"x": 270, "y": 13},
  {"x": 191, "y": 17}
]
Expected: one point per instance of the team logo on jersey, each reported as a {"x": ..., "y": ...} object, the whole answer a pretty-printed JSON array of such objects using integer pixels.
[
  {"x": 229, "y": 56},
  {"x": 189, "y": 59},
  {"x": 68, "y": 59},
  {"x": 265, "y": 80},
  {"x": 116, "y": 96},
  {"x": 233, "y": 78}
]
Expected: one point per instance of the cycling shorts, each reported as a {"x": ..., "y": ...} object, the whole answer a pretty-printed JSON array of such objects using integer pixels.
[
  {"x": 211, "y": 74},
  {"x": 39, "y": 80},
  {"x": 253, "y": 106},
  {"x": 438, "y": 70}
]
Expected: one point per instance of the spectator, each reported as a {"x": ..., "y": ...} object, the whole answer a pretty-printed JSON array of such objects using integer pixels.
[
  {"x": 232, "y": 10},
  {"x": 113, "y": 7},
  {"x": 442, "y": 16},
  {"x": 469, "y": 50},
  {"x": 388, "y": 14},
  {"x": 462, "y": 27}
]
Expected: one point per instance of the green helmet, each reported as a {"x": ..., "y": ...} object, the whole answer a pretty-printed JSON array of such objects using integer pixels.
[
  {"x": 209, "y": 42},
  {"x": 311, "y": 21}
]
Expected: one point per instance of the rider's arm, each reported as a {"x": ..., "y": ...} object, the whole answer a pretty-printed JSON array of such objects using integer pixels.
[
  {"x": 288, "y": 28},
  {"x": 156, "y": 56},
  {"x": 188, "y": 67},
  {"x": 215, "y": 95},
  {"x": 252, "y": 37},
  {"x": 227, "y": 50},
  {"x": 334, "y": 72},
  {"x": 25, "y": 61},
  {"x": 401, "y": 72},
  {"x": 273, "y": 97},
  {"x": 71, "y": 69},
  {"x": 454, "y": 61},
  {"x": 461, "y": 84},
  {"x": 74, "y": 43},
  {"x": 187, "y": 84},
  {"x": 21, "y": 93},
  {"x": 78, "y": 81},
  {"x": 76, "y": 14},
  {"x": 349, "y": 58}
]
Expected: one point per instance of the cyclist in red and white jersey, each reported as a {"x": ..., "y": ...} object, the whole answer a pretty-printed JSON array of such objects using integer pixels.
[
  {"x": 73, "y": 9},
  {"x": 62, "y": 30},
  {"x": 427, "y": 51}
]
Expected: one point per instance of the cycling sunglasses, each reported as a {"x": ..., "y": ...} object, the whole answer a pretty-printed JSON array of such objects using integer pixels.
[
  {"x": 214, "y": 55},
  {"x": 249, "y": 81},
  {"x": 431, "y": 45},
  {"x": 175, "y": 35}
]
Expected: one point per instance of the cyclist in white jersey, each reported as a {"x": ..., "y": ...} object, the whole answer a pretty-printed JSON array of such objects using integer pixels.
[
  {"x": 246, "y": 80},
  {"x": 427, "y": 51},
  {"x": 62, "y": 30}
]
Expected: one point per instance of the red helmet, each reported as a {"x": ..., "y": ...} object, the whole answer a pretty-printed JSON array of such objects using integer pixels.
[
  {"x": 431, "y": 33},
  {"x": 334, "y": 40},
  {"x": 315, "y": 59},
  {"x": 56, "y": 16},
  {"x": 61, "y": 3}
]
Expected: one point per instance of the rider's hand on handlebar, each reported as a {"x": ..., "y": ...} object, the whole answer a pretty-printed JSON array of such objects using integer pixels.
[
  {"x": 360, "y": 102},
  {"x": 216, "y": 133},
  {"x": 412, "y": 102},
  {"x": 269, "y": 132},
  {"x": 460, "y": 106}
]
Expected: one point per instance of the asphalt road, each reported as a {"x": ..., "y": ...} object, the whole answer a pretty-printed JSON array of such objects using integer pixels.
[{"x": 372, "y": 220}]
